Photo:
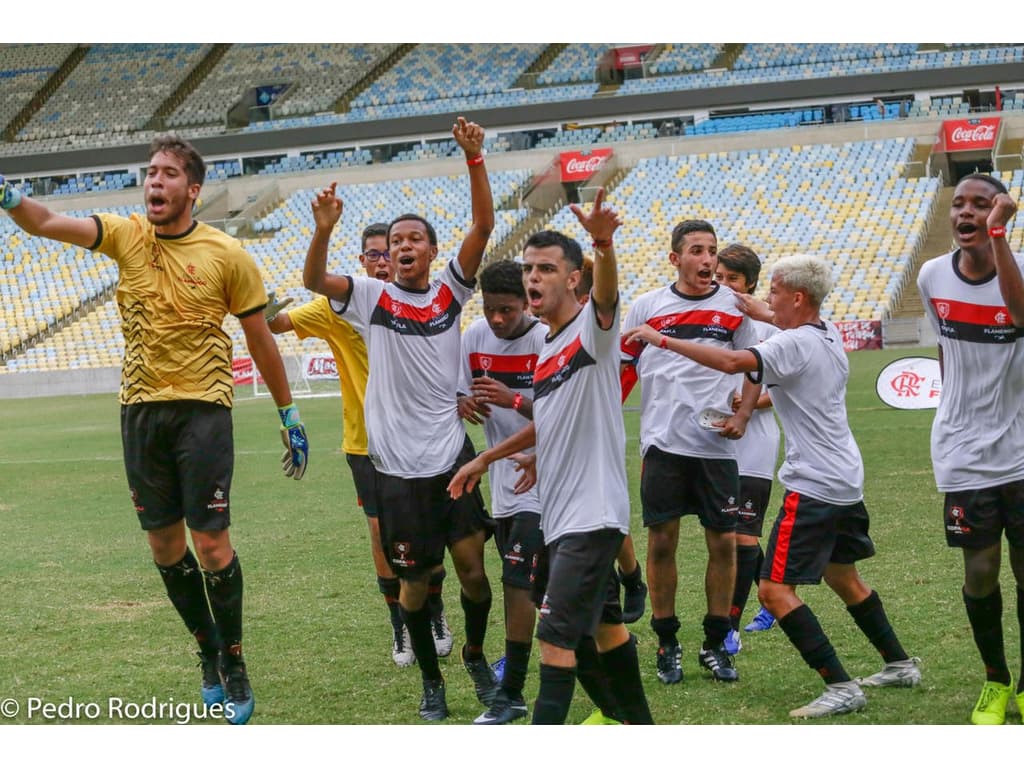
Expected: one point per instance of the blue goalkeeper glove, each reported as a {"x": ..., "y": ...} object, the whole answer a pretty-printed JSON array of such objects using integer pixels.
[
  {"x": 274, "y": 306},
  {"x": 10, "y": 196},
  {"x": 293, "y": 434}
]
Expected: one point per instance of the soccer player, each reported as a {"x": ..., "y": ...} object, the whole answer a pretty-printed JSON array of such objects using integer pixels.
[
  {"x": 178, "y": 278},
  {"x": 688, "y": 470},
  {"x": 974, "y": 298},
  {"x": 822, "y": 528},
  {"x": 349, "y": 349},
  {"x": 499, "y": 356},
  {"x": 580, "y": 470},
  {"x": 739, "y": 269},
  {"x": 416, "y": 439}
]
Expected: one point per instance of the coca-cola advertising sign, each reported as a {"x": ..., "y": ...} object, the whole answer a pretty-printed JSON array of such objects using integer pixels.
[
  {"x": 860, "y": 334},
  {"x": 969, "y": 135},
  {"x": 577, "y": 166}
]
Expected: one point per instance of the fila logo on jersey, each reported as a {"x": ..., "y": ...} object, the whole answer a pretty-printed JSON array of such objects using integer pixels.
[
  {"x": 977, "y": 323},
  {"x": 409, "y": 320},
  {"x": 556, "y": 371}
]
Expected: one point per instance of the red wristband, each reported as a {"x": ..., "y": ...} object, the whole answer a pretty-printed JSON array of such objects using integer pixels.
[
  {"x": 663, "y": 344},
  {"x": 997, "y": 231},
  {"x": 517, "y": 401},
  {"x": 475, "y": 160},
  {"x": 602, "y": 243}
]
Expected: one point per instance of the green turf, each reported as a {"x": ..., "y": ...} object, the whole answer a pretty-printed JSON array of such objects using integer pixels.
[{"x": 86, "y": 619}]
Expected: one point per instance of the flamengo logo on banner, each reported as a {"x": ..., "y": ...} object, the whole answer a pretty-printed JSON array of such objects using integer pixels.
[
  {"x": 577, "y": 166},
  {"x": 979, "y": 133}
]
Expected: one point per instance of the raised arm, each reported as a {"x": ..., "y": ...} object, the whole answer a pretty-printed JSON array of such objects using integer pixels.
[
  {"x": 36, "y": 219},
  {"x": 470, "y": 137},
  {"x": 327, "y": 210},
  {"x": 1011, "y": 283},
  {"x": 601, "y": 223}
]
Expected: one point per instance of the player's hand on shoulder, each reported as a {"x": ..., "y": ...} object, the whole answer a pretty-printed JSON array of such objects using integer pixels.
[{"x": 755, "y": 309}]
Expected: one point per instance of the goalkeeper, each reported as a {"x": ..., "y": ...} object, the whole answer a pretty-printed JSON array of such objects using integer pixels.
[{"x": 178, "y": 278}]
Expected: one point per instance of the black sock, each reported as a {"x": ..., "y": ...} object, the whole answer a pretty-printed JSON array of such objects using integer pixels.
[
  {"x": 391, "y": 588},
  {"x": 517, "y": 661},
  {"x": 805, "y": 633},
  {"x": 748, "y": 559},
  {"x": 665, "y": 629},
  {"x": 554, "y": 696},
  {"x": 418, "y": 624},
  {"x": 634, "y": 579},
  {"x": 986, "y": 617},
  {"x": 184, "y": 584},
  {"x": 870, "y": 617},
  {"x": 715, "y": 630},
  {"x": 594, "y": 678},
  {"x": 476, "y": 624},
  {"x": 224, "y": 588},
  {"x": 1020, "y": 622},
  {"x": 435, "y": 593},
  {"x": 623, "y": 669}
]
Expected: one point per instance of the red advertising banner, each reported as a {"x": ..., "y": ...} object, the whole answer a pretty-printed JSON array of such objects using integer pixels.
[
  {"x": 860, "y": 334},
  {"x": 630, "y": 56},
  {"x": 320, "y": 367},
  {"x": 577, "y": 166},
  {"x": 242, "y": 370},
  {"x": 970, "y": 135}
]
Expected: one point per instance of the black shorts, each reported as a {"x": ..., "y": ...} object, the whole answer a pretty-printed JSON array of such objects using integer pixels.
[
  {"x": 577, "y": 586},
  {"x": 520, "y": 541},
  {"x": 755, "y": 494},
  {"x": 179, "y": 457},
  {"x": 364, "y": 476},
  {"x": 419, "y": 519},
  {"x": 809, "y": 534},
  {"x": 976, "y": 519},
  {"x": 672, "y": 486}
]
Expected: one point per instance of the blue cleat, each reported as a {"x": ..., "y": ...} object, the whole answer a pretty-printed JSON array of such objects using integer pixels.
[
  {"x": 732, "y": 643},
  {"x": 761, "y": 622},
  {"x": 498, "y": 667},
  {"x": 211, "y": 690},
  {"x": 239, "y": 701}
]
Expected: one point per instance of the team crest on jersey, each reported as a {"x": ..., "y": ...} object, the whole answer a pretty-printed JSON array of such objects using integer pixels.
[
  {"x": 486, "y": 362},
  {"x": 716, "y": 319},
  {"x": 942, "y": 307},
  {"x": 1001, "y": 318},
  {"x": 955, "y": 522},
  {"x": 400, "y": 554},
  {"x": 516, "y": 554},
  {"x": 219, "y": 502}
]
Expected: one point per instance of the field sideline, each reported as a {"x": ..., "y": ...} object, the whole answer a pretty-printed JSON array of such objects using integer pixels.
[{"x": 86, "y": 618}]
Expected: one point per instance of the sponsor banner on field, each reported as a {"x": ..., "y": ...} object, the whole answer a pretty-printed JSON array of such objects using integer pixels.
[
  {"x": 242, "y": 370},
  {"x": 910, "y": 383},
  {"x": 860, "y": 334},
  {"x": 970, "y": 135},
  {"x": 320, "y": 367},
  {"x": 580, "y": 165}
]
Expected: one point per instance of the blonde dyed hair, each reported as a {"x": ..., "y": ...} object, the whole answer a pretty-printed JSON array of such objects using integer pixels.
[{"x": 802, "y": 272}]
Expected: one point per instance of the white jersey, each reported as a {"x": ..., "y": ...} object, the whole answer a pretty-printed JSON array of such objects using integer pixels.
[
  {"x": 581, "y": 438},
  {"x": 674, "y": 389},
  {"x": 978, "y": 431},
  {"x": 512, "y": 362},
  {"x": 413, "y": 427},
  {"x": 805, "y": 370},
  {"x": 758, "y": 450}
]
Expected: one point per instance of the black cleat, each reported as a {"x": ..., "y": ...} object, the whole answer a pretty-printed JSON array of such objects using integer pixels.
[
  {"x": 719, "y": 663},
  {"x": 433, "y": 705},
  {"x": 485, "y": 682},
  {"x": 503, "y": 710}
]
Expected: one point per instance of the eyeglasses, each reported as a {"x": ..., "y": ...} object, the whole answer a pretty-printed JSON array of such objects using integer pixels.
[{"x": 375, "y": 255}]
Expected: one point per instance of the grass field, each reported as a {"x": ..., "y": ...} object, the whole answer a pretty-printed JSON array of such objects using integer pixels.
[{"x": 86, "y": 619}]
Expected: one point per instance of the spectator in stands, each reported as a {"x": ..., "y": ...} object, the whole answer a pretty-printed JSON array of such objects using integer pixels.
[
  {"x": 178, "y": 279},
  {"x": 822, "y": 528},
  {"x": 316, "y": 319},
  {"x": 974, "y": 298},
  {"x": 415, "y": 436}
]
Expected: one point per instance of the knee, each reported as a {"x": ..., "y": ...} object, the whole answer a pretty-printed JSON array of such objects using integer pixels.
[{"x": 661, "y": 545}]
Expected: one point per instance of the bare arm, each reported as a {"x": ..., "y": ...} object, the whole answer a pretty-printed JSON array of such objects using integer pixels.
[
  {"x": 469, "y": 474},
  {"x": 327, "y": 210},
  {"x": 725, "y": 360},
  {"x": 601, "y": 224},
  {"x": 267, "y": 357},
  {"x": 36, "y": 219},
  {"x": 1011, "y": 283},
  {"x": 470, "y": 137}
]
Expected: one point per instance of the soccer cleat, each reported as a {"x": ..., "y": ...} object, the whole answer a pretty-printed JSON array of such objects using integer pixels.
[
  {"x": 733, "y": 644},
  {"x": 499, "y": 669},
  {"x": 896, "y": 674},
  {"x": 634, "y": 600},
  {"x": 433, "y": 705},
  {"x": 212, "y": 689},
  {"x": 485, "y": 683},
  {"x": 719, "y": 663},
  {"x": 838, "y": 699},
  {"x": 670, "y": 669},
  {"x": 597, "y": 717},
  {"x": 442, "y": 635},
  {"x": 991, "y": 706},
  {"x": 239, "y": 700},
  {"x": 761, "y": 622},
  {"x": 401, "y": 648},
  {"x": 503, "y": 710}
]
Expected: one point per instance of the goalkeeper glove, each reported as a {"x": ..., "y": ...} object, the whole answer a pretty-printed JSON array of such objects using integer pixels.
[
  {"x": 296, "y": 447},
  {"x": 273, "y": 306},
  {"x": 10, "y": 196}
]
